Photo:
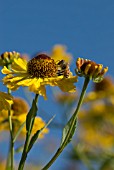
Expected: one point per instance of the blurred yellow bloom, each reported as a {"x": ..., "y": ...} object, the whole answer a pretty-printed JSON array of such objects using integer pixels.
[
  {"x": 19, "y": 110},
  {"x": 68, "y": 98},
  {"x": 59, "y": 53},
  {"x": 96, "y": 121},
  {"x": 102, "y": 90},
  {"x": 2, "y": 165},
  {"x": 38, "y": 124},
  {"x": 97, "y": 126},
  {"x": 5, "y": 101},
  {"x": 39, "y": 72}
]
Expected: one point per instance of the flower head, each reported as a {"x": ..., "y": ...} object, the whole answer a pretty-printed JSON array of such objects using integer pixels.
[
  {"x": 5, "y": 101},
  {"x": 39, "y": 72},
  {"x": 8, "y": 57},
  {"x": 88, "y": 68}
]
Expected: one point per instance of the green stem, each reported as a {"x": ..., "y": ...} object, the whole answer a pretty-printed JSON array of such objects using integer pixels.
[
  {"x": 11, "y": 134},
  {"x": 71, "y": 127},
  {"x": 25, "y": 150},
  {"x": 10, "y": 159}
]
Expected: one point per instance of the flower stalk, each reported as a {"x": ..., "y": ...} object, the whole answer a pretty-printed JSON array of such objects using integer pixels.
[
  {"x": 10, "y": 159},
  {"x": 11, "y": 140},
  {"x": 73, "y": 122},
  {"x": 27, "y": 141}
]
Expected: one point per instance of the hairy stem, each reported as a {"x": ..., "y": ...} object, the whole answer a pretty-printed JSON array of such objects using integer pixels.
[
  {"x": 27, "y": 141},
  {"x": 71, "y": 127},
  {"x": 10, "y": 159}
]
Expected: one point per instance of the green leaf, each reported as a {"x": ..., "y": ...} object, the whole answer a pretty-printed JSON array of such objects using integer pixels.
[
  {"x": 33, "y": 139},
  {"x": 19, "y": 131},
  {"x": 31, "y": 116},
  {"x": 66, "y": 136},
  {"x": 35, "y": 136}
]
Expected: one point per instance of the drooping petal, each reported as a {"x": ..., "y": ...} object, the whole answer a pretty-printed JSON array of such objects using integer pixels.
[
  {"x": 67, "y": 85},
  {"x": 19, "y": 65},
  {"x": 5, "y": 70},
  {"x": 38, "y": 89}
]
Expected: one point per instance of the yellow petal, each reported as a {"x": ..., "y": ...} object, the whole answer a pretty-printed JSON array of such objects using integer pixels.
[
  {"x": 67, "y": 84},
  {"x": 5, "y": 70},
  {"x": 19, "y": 65}
]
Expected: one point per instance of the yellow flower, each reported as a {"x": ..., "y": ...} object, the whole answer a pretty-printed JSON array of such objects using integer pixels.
[
  {"x": 39, "y": 72},
  {"x": 59, "y": 53},
  {"x": 19, "y": 110},
  {"x": 88, "y": 68},
  {"x": 5, "y": 101}
]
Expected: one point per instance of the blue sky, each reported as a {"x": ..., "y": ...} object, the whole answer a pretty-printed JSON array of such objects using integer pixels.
[{"x": 86, "y": 27}]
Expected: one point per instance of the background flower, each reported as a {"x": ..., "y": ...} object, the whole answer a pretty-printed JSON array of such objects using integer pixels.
[
  {"x": 5, "y": 101},
  {"x": 19, "y": 110}
]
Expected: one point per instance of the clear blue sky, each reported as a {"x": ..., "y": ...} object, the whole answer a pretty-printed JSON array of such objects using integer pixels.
[{"x": 86, "y": 27}]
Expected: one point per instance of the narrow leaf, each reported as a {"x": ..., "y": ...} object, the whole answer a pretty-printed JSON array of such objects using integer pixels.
[
  {"x": 19, "y": 131},
  {"x": 35, "y": 136},
  {"x": 33, "y": 139},
  {"x": 66, "y": 131},
  {"x": 31, "y": 115}
]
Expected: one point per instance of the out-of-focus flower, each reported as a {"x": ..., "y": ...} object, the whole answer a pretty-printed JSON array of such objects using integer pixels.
[
  {"x": 2, "y": 165},
  {"x": 39, "y": 72},
  {"x": 97, "y": 122},
  {"x": 96, "y": 126},
  {"x": 19, "y": 106},
  {"x": 102, "y": 90},
  {"x": 59, "y": 53},
  {"x": 38, "y": 124},
  {"x": 28, "y": 166},
  {"x": 5, "y": 101},
  {"x": 19, "y": 110},
  {"x": 8, "y": 57},
  {"x": 88, "y": 68},
  {"x": 68, "y": 98},
  {"x": 104, "y": 85}
]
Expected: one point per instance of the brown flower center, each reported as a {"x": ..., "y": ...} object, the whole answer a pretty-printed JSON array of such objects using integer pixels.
[{"x": 42, "y": 66}]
